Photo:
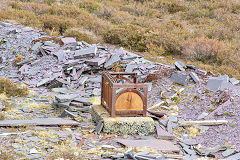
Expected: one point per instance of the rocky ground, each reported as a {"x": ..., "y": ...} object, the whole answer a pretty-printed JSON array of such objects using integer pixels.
[{"x": 64, "y": 74}]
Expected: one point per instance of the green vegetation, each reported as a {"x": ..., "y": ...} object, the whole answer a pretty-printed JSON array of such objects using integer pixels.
[
  {"x": 205, "y": 33},
  {"x": 211, "y": 109}
]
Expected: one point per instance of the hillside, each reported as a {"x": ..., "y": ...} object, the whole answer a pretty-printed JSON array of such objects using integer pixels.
[{"x": 205, "y": 33}]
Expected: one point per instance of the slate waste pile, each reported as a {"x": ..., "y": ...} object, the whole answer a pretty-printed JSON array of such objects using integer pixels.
[{"x": 196, "y": 112}]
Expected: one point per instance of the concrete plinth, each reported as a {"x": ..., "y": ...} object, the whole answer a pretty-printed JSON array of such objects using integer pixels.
[{"x": 123, "y": 125}]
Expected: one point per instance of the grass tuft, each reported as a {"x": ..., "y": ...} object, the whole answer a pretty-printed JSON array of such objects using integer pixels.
[{"x": 12, "y": 89}]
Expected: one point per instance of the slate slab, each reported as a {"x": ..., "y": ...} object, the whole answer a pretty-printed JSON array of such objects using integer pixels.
[
  {"x": 179, "y": 65},
  {"x": 228, "y": 152},
  {"x": 202, "y": 115},
  {"x": 130, "y": 67},
  {"x": 36, "y": 46},
  {"x": 55, "y": 83},
  {"x": 179, "y": 78},
  {"x": 194, "y": 77},
  {"x": 39, "y": 122},
  {"x": 43, "y": 82},
  {"x": 201, "y": 71},
  {"x": 233, "y": 157},
  {"x": 214, "y": 84},
  {"x": 110, "y": 63},
  {"x": 60, "y": 55},
  {"x": 89, "y": 52},
  {"x": 161, "y": 145},
  {"x": 84, "y": 101},
  {"x": 83, "y": 80},
  {"x": 99, "y": 127},
  {"x": 163, "y": 134},
  {"x": 66, "y": 113},
  {"x": 234, "y": 81},
  {"x": 190, "y": 66},
  {"x": 68, "y": 40},
  {"x": 96, "y": 61},
  {"x": 65, "y": 98}
]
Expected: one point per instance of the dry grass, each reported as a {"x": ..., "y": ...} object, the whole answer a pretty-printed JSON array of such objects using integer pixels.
[
  {"x": 11, "y": 89},
  {"x": 205, "y": 32}
]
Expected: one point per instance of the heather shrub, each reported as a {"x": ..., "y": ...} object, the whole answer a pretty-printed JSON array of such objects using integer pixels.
[
  {"x": 83, "y": 35},
  {"x": 206, "y": 50},
  {"x": 24, "y": 17},
  {"x": 128, "y": 36},
  {"x": 89, "y": 5},
  {"x": 37, "y": 8},
  {"x": 57, "y": 23}
]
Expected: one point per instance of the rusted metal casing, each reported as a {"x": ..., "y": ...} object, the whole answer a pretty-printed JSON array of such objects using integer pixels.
[{"x": 122, "y": 95}]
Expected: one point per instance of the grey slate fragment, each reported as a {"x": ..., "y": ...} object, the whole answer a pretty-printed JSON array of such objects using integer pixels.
[
  {"x": 201, "y": 71},
  {"x": 187, "y": 149},
  {"x": 163, "y": 134},
  {"x": 233, "y": 157},
  {"x": 149, "y": 86},
  {"x": 66, "y": 113},
  {"x": 89, "y": 52},
  {"x": 110, "y": 63},
  {"x": 190, "y": 142},
  {"x": 179, "y": 78},
  {"x": 96, "y": 61},
  {"x": 214, "y": 84},
  {"x": 179, "y": 65},
  {"x": 60, "y": 55},
  {"x": 234, "y": 81},
  {"x": 163, "y": 122},
  {"x": 59, "y": 90},
  {"x": 190, "y": 66},
  {"x": 99, "y": 127},
  {"x": 63, "y": 104},
  {"x": 194, "y": 77},
  {"x": 4, "y": 24},
  {"x": 202, "y": 115},
  {"x": 49, "y": 43},
  {"x": 228, "y": 152},
  {"x": 130, "y": 67},
  {"x": 1, "y": 106},
  {"x": 65, "y": 98},
  {"x": 97, "y": 79},
  {"x": 68, "y": 40},
  {"x": 83, "y": 80},
  {"x": 83, "y": 100},
  {"x": 39, "y": 122},
  {"x": 43, "y": 82},
  {"x": 55, "y": 83},
  {"x": 36, "y": 46}
]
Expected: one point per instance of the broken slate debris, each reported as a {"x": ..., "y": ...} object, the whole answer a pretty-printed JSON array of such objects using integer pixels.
[
  {"x": 110, "y": 63},
  {"x": 89, "y": 52},
  {"x": 36, "y": 46}
]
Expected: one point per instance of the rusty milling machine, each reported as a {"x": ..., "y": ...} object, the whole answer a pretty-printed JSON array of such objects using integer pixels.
[{"x": 122, "y": 95}]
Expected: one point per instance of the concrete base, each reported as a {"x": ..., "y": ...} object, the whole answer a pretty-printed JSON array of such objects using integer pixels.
[{"x": 123, "y": 125}]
